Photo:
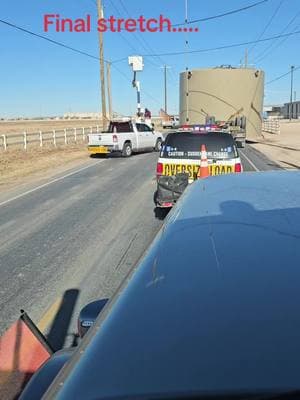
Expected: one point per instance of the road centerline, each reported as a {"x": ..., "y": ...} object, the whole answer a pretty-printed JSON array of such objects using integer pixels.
[{"x": 249, "y": 161}]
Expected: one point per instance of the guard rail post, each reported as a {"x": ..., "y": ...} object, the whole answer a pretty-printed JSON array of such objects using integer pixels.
[
  {"x": 41, "y": 138},
  {"x": 83, "y": 134},
  {"x": 75, "y": 135},
  {"x": 54, "y": 137},
  {"x": 4, "y": 142},
  {"x": 65, "y": 131},
  {"x": 25, "y": 140}
]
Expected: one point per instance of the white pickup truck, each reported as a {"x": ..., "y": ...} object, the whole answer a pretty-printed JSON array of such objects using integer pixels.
[
  {"x": 171, "y": 123},
  {"x": 125, "y": 137}
]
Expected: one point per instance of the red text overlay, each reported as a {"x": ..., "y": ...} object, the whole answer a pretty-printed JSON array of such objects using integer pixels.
[{"x": 160, "y": 24}]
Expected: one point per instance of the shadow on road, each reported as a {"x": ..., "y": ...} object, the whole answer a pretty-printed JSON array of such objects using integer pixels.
[
  {"x": 59, "y": 328},
  {"x": 119, "y": 154}
]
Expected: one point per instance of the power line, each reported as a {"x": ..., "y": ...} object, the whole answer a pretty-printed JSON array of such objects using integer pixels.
[
  {"x": 141, "y": 38},
  {"x": 267, "y": 25},
  {"x": 216, "y": 48},
  {"x": 69, "y": 48},
  {"x": 121, "y": 34},
  {"x": 282, "y": 76},
  {"x": 238, "y": 10},
  {"x": 138, "y": 39},
  {"x": 276, "y": 46},
  {"x": 268, "y": 50},
  {"x": 49, "y": 40},
  {"x": 130, "y": 80}
]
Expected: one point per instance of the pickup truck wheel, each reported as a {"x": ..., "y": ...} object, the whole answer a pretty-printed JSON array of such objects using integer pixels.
[
  {"x": 127, "y": 150},
  {"x": 158, "y": 145}
]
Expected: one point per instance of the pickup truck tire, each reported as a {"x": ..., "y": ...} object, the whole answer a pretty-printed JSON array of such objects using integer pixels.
[
  {"x": 158, "y": 145},
  {"x": 127, "y": 149}
]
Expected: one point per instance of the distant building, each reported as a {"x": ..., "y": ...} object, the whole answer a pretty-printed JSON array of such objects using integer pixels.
[
  {"x": 273, "y": 111},
  {"x": 291, "y": 110},
  {"x": 78, "y": 115}
]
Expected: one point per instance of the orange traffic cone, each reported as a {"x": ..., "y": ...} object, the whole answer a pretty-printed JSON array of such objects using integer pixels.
[{"x": 203, "y": 171}]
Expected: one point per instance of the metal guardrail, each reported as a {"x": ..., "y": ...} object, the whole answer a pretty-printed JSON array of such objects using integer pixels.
[
  {"x": 54, "y": 137},
  {"x": 271, "y": 126}
]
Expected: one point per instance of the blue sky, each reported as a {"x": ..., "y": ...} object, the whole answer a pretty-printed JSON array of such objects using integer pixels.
[{"x": 38, "y": 78}]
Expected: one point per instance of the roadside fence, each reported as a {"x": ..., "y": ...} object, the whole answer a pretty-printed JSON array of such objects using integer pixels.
[
  {"x": 53, "y": 138},
  {"x": 271, "y": 126}
]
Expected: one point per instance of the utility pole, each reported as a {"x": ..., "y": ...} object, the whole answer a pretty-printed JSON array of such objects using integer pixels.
[
  {"x": 166, "y": 98},
  {"x": 102, "y": 72},
  {"x": 110, "y": 110},
  {"x": 165, "y": 67},
  {"x": 246, "y": 58},
  {"x": 187, "y": 118},
  {"x": 291, "y": 98}
]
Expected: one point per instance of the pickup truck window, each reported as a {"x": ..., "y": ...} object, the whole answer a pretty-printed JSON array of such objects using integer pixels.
[
  {"x": 143, "y": 128},
  {"x": 120, "y": 127},
  {"x": 147, "y": 128}
]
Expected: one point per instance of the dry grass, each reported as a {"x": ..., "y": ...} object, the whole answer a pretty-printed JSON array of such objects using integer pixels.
[
  {"x": 17, "y": 165},
  {"x": 12, "y": 127}
]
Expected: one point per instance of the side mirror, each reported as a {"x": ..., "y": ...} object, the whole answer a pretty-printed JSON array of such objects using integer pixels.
[{"x": 88, "y": 315}]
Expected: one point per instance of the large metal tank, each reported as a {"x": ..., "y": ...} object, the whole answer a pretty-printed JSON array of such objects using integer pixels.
[{"x": 224, "y": 94}]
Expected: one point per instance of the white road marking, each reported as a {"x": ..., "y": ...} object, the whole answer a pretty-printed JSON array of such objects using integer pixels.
[
  {"x": 248, "y": 159},
  {"x": 49, "y": 183}
]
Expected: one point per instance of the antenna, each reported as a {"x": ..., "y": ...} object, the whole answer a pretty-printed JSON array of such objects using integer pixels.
[{"x": 188, "y": 74}]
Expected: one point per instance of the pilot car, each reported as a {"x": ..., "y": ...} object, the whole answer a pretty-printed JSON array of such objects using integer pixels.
[
  {"x": 210, "y": 312},
  {"x": 179, "y": 161}
]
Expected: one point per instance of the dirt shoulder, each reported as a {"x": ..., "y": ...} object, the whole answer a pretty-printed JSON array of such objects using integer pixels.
[
  {"x": 284, "y": 148},
  {"x": 20, "y": 167}
]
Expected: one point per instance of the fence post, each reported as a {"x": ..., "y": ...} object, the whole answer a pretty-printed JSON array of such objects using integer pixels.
[
  {"x": 65, "y": 136},
  {"x": 54, "y": 137},
  {"x": 41, "y": 139},
  {"x": 75, "y": 135},
  {"x": 83, "y": 134},
  {"x": 91, "y": 129},
  {"x": 25, "y": 140},
  {"x": 4, "y": 142}
]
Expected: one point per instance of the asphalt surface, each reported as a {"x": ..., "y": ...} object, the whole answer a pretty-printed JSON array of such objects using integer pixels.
[{"x": 76, "y": 237}]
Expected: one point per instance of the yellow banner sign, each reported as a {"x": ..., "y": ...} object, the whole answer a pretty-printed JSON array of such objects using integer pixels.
[{"x": 193, "y": 169}]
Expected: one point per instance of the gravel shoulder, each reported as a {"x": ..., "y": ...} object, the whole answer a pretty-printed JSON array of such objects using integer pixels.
[{"x": 284, "y": 148}]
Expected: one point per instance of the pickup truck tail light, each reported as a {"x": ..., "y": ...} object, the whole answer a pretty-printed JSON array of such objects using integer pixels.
[
  {"x": 159, "y": 169},
  {"x": 238, "y": 167},
  {"x": 115, "y": 138}
]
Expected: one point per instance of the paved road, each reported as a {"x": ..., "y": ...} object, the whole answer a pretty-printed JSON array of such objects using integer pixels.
[{"x": 76, "y": 238}]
